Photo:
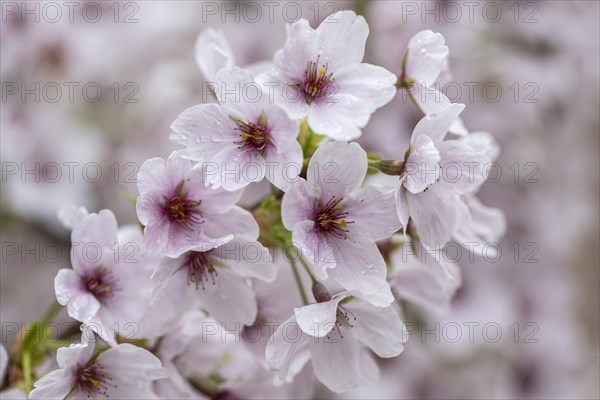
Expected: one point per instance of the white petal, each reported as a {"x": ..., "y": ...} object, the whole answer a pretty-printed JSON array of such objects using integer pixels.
[
  {"x": 233, "y": 303},
  {"x": 286, "y": 344},
  {"x": 318, "y": 319},
  {"x": 70, "y": 215},
  {"x": 340, "y": 116},
  {"x": 54, "y": 385},
  {"x": 343, "y": 37},
  {"x": 320, "y": 254},
  {"x": 298, "y": 204},
  {"x": 433, "y": 101},
  {"x": 434, "y": 216},
  {"x": 422, "y": 166},
  {"x": 427, "y": 53},
  {"x": 204, "y": 130},
  {"x": 235, "y": 220},
  {"x": 482, "y": 142},
  {"x": 246, "y": 257},
  {"x": 402, "y": 210},
  {"x": 379, "y": 328},
  {"x": 212, "y": 52},
  {"x": 284, "y": 164},
  {"x": 436, "y": 125},
  {"x": 81, "y": 305},
  {"x": 463, "y": 169},
  {"x": 373, "y": 85},
  {"x": 338, "y": 168},
  {"x": 336, "y": 362},
  {"x": 239, "y": 95},
  {"x": 373, "y": 212}
]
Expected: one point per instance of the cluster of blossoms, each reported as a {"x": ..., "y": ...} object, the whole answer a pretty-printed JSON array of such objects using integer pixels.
[{"x": 206, "y": 299}]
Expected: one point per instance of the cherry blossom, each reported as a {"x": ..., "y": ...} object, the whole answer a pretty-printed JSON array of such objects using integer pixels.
[{"x": 319, "y": 75}]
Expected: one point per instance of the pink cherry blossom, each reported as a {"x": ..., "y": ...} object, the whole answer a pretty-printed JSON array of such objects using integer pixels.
[
  {"x": 242, "y": 139},
  {"x": 180, "y": 212},
  {"x": 335, "y": 222},
  {"x": 319, "y": 75}
]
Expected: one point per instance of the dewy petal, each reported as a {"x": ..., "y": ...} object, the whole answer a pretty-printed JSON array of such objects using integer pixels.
[
  {"x": 246, "y": 257},
  {"x": 164, "y": 176},
  {"x": 287, "y": 343},
  {"x": 340, "y": 116},
  {"x": 298, "y": 204},
  {"x": 463, "y": 169},
  {"x": 212, "y": 52},
  {"x": 427, "y": 53},
  {"x": 204, "y": 129},
  {"x": 300, "y": 47},
  {"x": 433, "y": 101},
  {"x": 284, "y": 164},
  {"x": 422, "y": 166},
  {"x": 343, "y": 36},
  {"x": 70, "y": 215},
  {"x": 436, "y": 125},
  {"x": 379, "y": 328},
  {"x": 336, "y": 363},
  {"x": 373, "y": 85},
  {"x": 434, "y": 216},
  {"x": 235, "y": 220},
  {"x": 402, "y": 210},
  {"x": 314, "y": 247},
  {"x": 233, "y": 303},
  {"x": 53, "y": 385},
  {"x": 373, "y": 210},
  {"x": 319, "y": 319},
  {"x": 214, "y": 200},
  {"x": 338, "y": 168},
  {"x": 360, "y": 267},
  {"x": 79, "y": 353},
  {"x": 81, "y": 305},
  {"x": 239, "y": 94}
]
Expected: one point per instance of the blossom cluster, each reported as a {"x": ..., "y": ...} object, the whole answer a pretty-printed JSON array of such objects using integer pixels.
[{"x": 304, "y": 287}]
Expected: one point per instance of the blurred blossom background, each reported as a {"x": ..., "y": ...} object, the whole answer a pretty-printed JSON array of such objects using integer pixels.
[{"x": 88, "y": 96}]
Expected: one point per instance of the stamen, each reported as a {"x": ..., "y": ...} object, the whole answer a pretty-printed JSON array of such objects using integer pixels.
[
  {"x": 92, "y": 381},
  {"x": 254, "y": 136},
  {"x": 332, "y": 219},
  {"x": 183, "y": 210},
  {"x": 316, "y": 81},
  {"x": 199, "y": 269},
  {"x": 102, "y": 283}
]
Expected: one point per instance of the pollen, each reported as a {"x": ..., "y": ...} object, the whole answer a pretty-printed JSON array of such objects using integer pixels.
[
  {"x": 183, "y": 210},
  {"x": 317, "y": 81},
  {"x": 254, "y": 135},
  {"x": 332, "y": 219},
  {"x": 200, "y": 270}
]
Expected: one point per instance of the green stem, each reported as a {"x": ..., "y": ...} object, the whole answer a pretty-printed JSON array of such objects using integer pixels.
[
  {"x": 297, "y": 276},
  {"x": 306, "y": 268},
  {"x": 26, "y": 361}
]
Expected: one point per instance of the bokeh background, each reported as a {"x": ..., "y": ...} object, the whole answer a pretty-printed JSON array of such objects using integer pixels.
[{"x": 110, "y": 82}]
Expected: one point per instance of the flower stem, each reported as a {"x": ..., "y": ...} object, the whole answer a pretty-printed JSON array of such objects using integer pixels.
[
  {"x": 26, "y": 361},
  {"x": 297, "y": 276},
  {"x": 306, "y": 268}
]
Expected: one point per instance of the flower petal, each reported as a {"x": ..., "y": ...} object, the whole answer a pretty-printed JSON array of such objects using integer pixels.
[
  {"x": 373, "y": 210},
  {"x": 436, "y": 125},
  {"x": 247, "y": 258},
  {"x": 212, "y": 52},
  {"x": 422, "y": 166},
  {"x": 298, "y": 203},
  {"x": 319, "y": 319},
  {"x": 81, "y": 305},
  {"x": 434, "y": 216},
  {"x": 343, "y": 36},
  {"x": 427, "y": 53},
  {"x": 286, "y": 344}
]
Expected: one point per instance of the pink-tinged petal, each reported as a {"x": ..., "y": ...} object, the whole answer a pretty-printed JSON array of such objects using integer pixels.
[
  {"x": 287, "y": 343},
  {"x": 232, "y": 169},
  {"x": 283, "y": 130},
  {"x": 284, "y": 164},
  {"x": 155, "y": 221},
  {"x": 214, "y": 200},
  {"x": 336, "y": 363},
  {"x": 360, "y": 267},
  {"x": 463, "y": 169},
  {"x": 379, "y": 328},
  {"x": 161, "y": 175},
  {"x": 343, "y": 37},
  {"x": 298, "y": 203},
  {"x": 301, "y": 46},
  {"x": 54, "y": 385},
  {"x": 212, "y": 52},
  {"x": 482, "y": 142},
  {"x": 340, "y": 116},
  {"x": 434, "y": 216},
  {"x": 204, "y": 130},
  {"x": 427, "y": 53},
  {"x": 373, "y": 210},
  {"x": 70, "y": 291},
  {"x": 338, "y": 168},
  {"x": 433, "y": 101},
  {"x": 373, "y": 85},
  {"x": 239, "y": 95},
  {"x": 70, "y": 215},
  {"x": 232, "y": 302},
  {"x": 319, "y": 319},
  {"x": 283, "y": 93},
  {"x": 436, "y": 125},
  {"x": 402, "y": 210},
  {"x": 247, "y": 258},
  {"x": 422, "y": 166},
  {"x": 479, "y": 225},
  {"x": 79, "y": 353},
  {"x": 320, "y": 254},
  {"x": 234, "y": 220}
]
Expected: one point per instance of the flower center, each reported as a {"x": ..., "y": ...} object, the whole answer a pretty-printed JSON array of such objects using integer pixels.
[
  {"x": 342, "y": 315},
  {"x": 102, "y": 284},
  {"x": 92, "y": 381},
  {"x": 332, "y": 219},
  {"x": 183, "y": 210},
  {"x": 254, "y": 136},
  {"x": 316, "y": 81},
  {"x": 200, "y": 269}
]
